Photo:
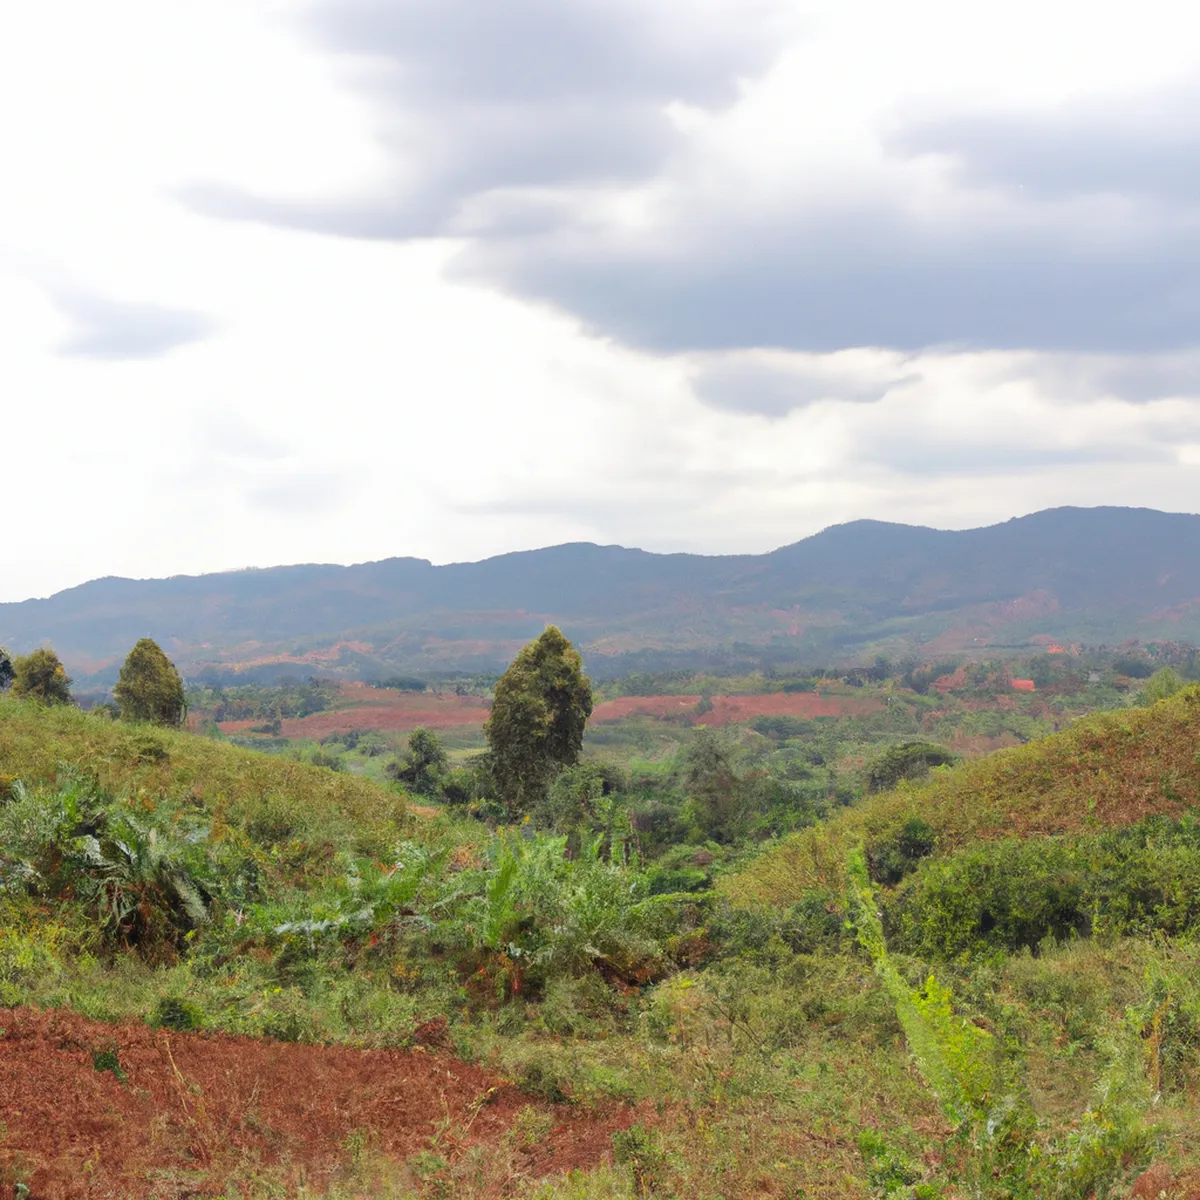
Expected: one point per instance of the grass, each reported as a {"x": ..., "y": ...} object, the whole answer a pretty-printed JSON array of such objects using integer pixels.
[
  {"x": 1105, "y": 771},
  {"x": 774, "y": 1066},
  {"x": 238, "y": 787}
]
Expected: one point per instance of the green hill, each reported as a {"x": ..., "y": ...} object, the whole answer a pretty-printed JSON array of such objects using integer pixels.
[
  {"x": 1106, "y": 771},
  {"x": 273, "y": 799}
]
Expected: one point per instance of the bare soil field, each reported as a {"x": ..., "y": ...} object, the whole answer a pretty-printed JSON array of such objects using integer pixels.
[
  {"x": 184, "y": 1114},
  {"x": 365, "y": 707},
  {"x": 731, "y": 710}
]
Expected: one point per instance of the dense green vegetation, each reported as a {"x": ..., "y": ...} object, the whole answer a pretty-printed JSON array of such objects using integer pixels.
[
  {"x": 818, "y": 957},
  {"x": 149, "y": 687}
]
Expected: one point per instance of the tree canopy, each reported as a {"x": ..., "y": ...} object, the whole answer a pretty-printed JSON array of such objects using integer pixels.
[
  {"x": 40, "y": 676},
  {"x": 424, "y": 764},
  {"x": 7, "y": 674},
  {"x": 149, "y": 688},
  {"x": 541, "y": 707}
]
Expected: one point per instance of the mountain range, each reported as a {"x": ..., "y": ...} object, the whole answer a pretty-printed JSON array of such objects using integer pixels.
[{"x": 1094, "y": 575}]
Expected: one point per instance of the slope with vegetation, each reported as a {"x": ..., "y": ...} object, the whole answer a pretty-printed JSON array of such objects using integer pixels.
[{"x": 980, "y": 984}]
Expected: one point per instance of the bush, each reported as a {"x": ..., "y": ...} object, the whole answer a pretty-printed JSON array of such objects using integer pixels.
[
  {"x": 908, "y": 760},
  {"x": 40, "y": 676},
  {"x": 178, "y": 1014},
  {"x": 893, "y": 857},
  {"x": 1014, "y": 894}
]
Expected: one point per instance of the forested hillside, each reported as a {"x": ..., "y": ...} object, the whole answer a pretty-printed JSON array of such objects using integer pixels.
[{"x": 1091, "y": 575}]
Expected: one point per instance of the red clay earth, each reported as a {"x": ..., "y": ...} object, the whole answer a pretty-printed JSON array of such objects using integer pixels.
[
  {"x": 398, "y": 712},
  {"x": 730, "y": 710},
  {"x": 194, "y": 1111},
  {"x": 378, "y": 708}
]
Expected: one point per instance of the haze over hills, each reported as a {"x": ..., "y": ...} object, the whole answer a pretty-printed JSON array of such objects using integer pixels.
[{"x": 1092, "y": 575}]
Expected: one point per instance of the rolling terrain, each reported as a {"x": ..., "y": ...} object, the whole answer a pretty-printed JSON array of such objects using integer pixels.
[{"x": 1068, "y": 574}]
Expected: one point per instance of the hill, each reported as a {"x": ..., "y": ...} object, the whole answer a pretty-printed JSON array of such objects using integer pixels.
[
  {"x": 267, "y": 798},
  {"x": 1093, "y": 575},
  {"x": 1105, "y": 772}
]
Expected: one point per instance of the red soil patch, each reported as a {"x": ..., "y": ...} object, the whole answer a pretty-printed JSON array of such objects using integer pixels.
[
  {"x": 1023, "y": 685},
  {"x": 378, "y": 708},
  {"x": 730, "y": 710},
  {"x": 398, "y": 712},
  {"x": 196, "y": 1110}
]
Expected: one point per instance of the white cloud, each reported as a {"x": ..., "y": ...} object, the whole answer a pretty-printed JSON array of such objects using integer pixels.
[{"x": 247, "y": 393}]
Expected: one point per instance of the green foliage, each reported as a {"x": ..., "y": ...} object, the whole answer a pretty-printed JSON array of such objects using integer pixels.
[
  {"x": 106, "y": 1060},
  {"x": 1109, "y": 769},
  {"x": 144, "y": 885},
  {"x": 178, "y": 1014},
  {"x": 149, "y": 687},
  {"x": 541, "y": 706},
  {"x": 907, "y": 760},
  {"x": 40, "y": 676},
  {"x": 1013, "y": 894},
  {"x": 896, "y": 854},
  {"x": 638, "y": 1149},
  {"x": 718, "y": 796},
  {"x": 955, "y": 1057},
  {"x": 424, "y": 765},
  {"x": 7, "y": 672},
  {"x": 1162, "y": 685}
]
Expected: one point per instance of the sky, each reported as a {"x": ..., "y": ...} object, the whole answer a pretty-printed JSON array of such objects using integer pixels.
[{"x": 336, "y": 280}]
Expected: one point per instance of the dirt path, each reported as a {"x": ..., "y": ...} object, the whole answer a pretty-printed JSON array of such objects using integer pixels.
[{"x": 188, "y": 1112}]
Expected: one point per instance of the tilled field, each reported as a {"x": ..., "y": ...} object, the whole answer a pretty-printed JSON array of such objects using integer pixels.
[{"x": 89, "y": 1109}]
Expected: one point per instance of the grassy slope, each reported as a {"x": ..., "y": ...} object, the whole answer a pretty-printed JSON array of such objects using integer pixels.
[
  {"x": 238, "y": 785},
  {"x": 1108, "y": 770}
]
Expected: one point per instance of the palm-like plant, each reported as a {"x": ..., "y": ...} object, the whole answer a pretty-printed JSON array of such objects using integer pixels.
[{"x": 147, "y": 889}]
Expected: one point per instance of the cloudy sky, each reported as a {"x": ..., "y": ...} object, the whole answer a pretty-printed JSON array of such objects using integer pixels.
[{"x": 334, "y": 280}]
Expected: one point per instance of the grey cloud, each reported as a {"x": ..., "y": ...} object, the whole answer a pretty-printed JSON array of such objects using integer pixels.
[
  {"x": 1135, "y": 378},
  {"x": 544, "y": 52},
  {"x": 870, "y": 275},
  {"x": 473, "y": 97},
  {"x": 495, "y": 116},
  {"x": 774, "y": 390},
  {"x": 105, "y": 328},
  {"x": 1147, "y": 147}
]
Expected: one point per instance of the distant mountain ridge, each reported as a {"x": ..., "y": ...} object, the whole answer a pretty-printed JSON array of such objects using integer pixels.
[{"x": 1079, "y": 574}]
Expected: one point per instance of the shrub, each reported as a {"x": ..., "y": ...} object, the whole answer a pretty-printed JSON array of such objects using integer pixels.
[
  {"x": 893, "y": 856},
  {"x": 908, "y": 760},
  {"x": 175, "y": 1013},
  {"x": 40, "y": 676}
]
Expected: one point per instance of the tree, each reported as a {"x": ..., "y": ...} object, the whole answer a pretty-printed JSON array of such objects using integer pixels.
[
  {"x": 149, "y": 688},
  {"x": 906, "y": 760},
  {"x": 424, "y": 764},
  {"x": 6, "y": 670},
  {"x": 716, "y": 792},
  {"x": 40, "y": 676},
  {"x": 1163, "y": 684},
  {"x": 539, "y": 712}
]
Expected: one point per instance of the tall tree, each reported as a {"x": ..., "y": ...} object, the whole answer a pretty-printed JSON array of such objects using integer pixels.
[
  {"x": 7, "y": 674},
  {"x": 40, "y": 676},
  {"x": 150, "y": 688},
  {"x": 539, "y": 712}
]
